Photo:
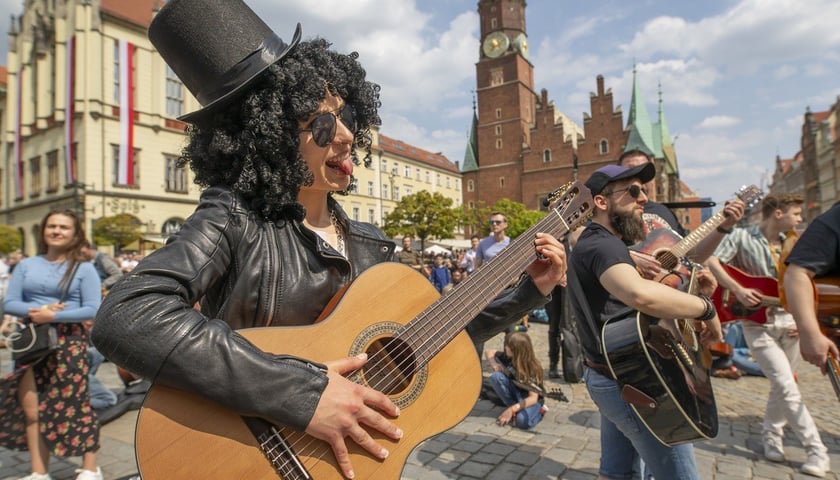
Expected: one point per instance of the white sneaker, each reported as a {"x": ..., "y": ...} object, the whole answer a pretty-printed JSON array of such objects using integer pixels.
[
  {"x": 816, "y": 465},
  {"x": 89, "y": 475},
  {"x": 773, "y": 449},
  {"x": 37, "y": 476}
]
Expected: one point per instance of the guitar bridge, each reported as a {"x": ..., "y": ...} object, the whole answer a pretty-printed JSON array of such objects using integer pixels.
[{"x": 277, "y": 450}]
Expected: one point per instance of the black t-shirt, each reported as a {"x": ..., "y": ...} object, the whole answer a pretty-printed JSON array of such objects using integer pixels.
[
  {"x": 818, "y": 249},
  {"x": 597, "y": 250}
]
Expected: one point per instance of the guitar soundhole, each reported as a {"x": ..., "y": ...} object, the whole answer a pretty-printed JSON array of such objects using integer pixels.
[{"x": 391, "y": 365}]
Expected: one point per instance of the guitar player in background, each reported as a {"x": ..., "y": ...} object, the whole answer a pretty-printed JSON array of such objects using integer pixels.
[
  {"x": 756, "y": 250},
  {"x": 815, "y": 255},
  {"x": 276, "y": 137},
  {"x": 601, "y": 265}
]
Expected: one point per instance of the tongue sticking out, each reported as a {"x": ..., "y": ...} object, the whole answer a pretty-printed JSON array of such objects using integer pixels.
[{"x": 346, "y": 166}]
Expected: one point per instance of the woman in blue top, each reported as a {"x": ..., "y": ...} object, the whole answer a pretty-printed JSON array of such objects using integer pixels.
[{"x": 45, "y": 405}]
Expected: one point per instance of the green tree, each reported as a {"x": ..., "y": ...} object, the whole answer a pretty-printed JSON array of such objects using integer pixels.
[
  {"x": 119, "y": 230},
  {"x": 10, "y": 239},
  {"x": 422, "y": 215}
]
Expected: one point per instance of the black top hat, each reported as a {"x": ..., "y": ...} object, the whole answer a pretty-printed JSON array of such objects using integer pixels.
[{"x": 216, "y": 47}]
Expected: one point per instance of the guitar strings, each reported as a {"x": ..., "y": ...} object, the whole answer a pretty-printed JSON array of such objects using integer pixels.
[{"x": 497, "y": 271}]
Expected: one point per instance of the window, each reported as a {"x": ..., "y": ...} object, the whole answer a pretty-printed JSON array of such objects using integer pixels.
[
  {"x": 174, "y": 94},
  {"x": 547, "y": 155},
  {"x": 407, "y": 172},
  {"x": 384, "y": 165},
  {"x": 356, "y": 213},
  {"x": 498, "y": 113},
  {"x": 385, "y": 191},
  {"x": 448, "y": 182},
  {"x": 371, "y": 218},
  {"x": 498, "y": 129},
  {"x": 472, "y": 204},
  {"x": 498, "y": 144},
  {"x": 397, "y": 194},
  {"x": 35, "y": 176},
  {"x": 116, "y": 71},
  {"x": 417, "y": 174},
  {"x": 457, "y": 184},
  {"x": 494, "y": 22},
  {"x": 176, "y": 177},
  {"x": 116, "y": 166},
  {"x": 501, "y": 182},
  {"x": 470, "y": 185},
  {"x": 409, "y": 191},
  {"x": 428, "y": 177},
  {"x": 52, "y": 171},
  {"x": 497, "y": 76},
  {"x": 437, "y": 179},
  {"x": 605, "y": 147},
  {"x": 370, "y": 189}
]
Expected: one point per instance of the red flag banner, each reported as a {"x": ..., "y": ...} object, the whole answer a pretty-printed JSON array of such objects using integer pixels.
[
  {"x": 18, "y": 153},
  {"x": 70, "y": 109},
  {"x": 125, "y": 174}
]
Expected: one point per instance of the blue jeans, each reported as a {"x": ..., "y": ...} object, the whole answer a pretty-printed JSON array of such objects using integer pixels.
[
  {"x": 624, "y": 438},
  {"x": 511, "y": 394},
  {"x": 100, "y": 395}
]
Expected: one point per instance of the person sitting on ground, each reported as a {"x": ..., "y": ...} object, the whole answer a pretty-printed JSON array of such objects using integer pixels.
[{"x": 517, "y": 379}]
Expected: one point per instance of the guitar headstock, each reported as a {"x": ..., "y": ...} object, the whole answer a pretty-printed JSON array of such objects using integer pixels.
[
  {"x": 572, "y": 202},
  {"x": 750, "y": 195}
]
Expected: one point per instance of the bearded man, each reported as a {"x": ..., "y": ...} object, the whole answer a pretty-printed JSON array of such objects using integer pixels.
[{"x": 603, "y": 268}]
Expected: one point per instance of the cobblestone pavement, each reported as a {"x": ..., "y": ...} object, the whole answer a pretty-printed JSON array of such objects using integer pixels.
[{"x": 564, "y": 445}]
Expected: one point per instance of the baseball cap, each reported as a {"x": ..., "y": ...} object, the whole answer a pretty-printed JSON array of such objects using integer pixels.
[{"x": 613, "y": 173}]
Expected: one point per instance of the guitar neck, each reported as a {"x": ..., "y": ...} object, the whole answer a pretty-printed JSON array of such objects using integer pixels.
[
  {"x": 697, "y": 235},
  {"x": 436, "y": 326}
]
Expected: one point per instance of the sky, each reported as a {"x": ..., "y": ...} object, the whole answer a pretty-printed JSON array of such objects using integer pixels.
[{"x": 736, "y": 76}]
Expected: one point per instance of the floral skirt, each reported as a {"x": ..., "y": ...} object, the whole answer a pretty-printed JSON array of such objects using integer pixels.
[{"x": 66, "y": 420}]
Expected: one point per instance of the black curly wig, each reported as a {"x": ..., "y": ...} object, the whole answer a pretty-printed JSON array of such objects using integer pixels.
[{"x": 252, "y": 145}]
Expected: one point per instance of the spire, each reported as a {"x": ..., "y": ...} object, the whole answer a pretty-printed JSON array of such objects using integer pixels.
[
  {"x": 638, "y": 121},
  {"x": 471, "y": 155},
  {"x": 663, "y": 138}
]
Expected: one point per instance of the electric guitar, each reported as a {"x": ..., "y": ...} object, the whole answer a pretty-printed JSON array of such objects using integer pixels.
[
  {"x": 728, "y": 306},
  {"x": 663, "y": 371},
  {"x": 669, "y": 249},
  {"x": 417, "y": 349}
]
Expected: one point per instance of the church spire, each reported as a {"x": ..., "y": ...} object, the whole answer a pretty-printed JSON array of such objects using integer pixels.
[
  {"x": 471, "y": 154},
  {"x": 638, "y": 121}
]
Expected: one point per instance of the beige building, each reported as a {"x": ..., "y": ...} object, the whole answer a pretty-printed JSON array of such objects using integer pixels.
[{"x": 117, "y": 152}]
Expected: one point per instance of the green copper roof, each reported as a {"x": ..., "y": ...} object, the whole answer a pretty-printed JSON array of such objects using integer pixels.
[
  {"x": 664, "y": 138},
  {"x": 641, "y": 132},
  {"x": 471, "y": 154}
]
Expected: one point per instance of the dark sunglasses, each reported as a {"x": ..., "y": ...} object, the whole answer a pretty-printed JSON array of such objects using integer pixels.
[
  {"x": 323, "y": 126},
  {"x": 633, "y": 190},
  {"x": 496, "y": 222}
]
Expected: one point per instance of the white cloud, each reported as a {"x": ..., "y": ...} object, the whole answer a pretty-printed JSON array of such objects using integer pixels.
[
  {"x": 719, "y": 121},
  {"x": 784, "y": 71}
]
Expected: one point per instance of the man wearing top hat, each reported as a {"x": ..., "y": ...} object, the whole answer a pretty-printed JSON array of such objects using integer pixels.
[
  {"x": 601, "y": 266},
  {"x": 277, "y": 136}
]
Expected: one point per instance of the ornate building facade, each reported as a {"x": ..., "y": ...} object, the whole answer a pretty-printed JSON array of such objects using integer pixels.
[{"x": 90, "y": 123}]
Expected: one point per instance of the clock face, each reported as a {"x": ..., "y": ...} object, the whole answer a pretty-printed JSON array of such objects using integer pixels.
[
  {"x": 495, "y": 44},
  {"x": 521, "y": 44}
]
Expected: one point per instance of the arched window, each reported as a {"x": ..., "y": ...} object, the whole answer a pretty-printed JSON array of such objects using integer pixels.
[
  {"x": 547, "y": 155},
  {"x": 470, "y": 185},
  {"x": 605, "y": 147}
]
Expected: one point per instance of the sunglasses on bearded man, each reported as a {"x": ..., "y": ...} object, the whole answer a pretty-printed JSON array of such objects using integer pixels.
[
  {"x": 323, "y": 126},
  {"x": 633, "y": 190}
]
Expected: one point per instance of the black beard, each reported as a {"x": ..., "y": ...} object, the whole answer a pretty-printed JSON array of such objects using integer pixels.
[{"x": 629, "y": 226}]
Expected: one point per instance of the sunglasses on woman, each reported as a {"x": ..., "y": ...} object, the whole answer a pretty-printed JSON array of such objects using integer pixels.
[
  {"x": 323, "y": 126},
  {"x": 633, "y": 190}
]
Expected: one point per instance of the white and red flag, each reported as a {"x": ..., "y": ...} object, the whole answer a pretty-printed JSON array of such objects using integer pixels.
[{"x": 125, "y": 173}]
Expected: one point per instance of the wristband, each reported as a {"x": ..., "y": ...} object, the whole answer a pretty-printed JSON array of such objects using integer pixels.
[
  {"x": 723, "y": 230},
  {"x": 709, "y": 313}
]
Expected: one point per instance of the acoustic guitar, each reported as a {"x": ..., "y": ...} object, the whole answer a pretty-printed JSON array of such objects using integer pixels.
[
  {"x": 670, "y": 250},
  {"x": 728, "y": 306},
  {"x": 419, "y": 355},
  {"x": 663, "y": 371}
]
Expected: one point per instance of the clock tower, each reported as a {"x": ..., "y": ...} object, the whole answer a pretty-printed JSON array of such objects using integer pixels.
[{"x": 506, "y": 102}]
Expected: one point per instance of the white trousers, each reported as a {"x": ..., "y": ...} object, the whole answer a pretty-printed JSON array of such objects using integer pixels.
[{"x": 778, "y": 355}]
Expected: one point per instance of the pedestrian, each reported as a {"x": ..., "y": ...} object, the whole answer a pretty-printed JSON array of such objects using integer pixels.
[
  {"x": 46, "y": 404},
  {"x": 268, "y": 245}
]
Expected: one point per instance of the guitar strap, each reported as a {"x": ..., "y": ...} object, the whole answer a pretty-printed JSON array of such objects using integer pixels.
[{"x": 591, "y": 338}]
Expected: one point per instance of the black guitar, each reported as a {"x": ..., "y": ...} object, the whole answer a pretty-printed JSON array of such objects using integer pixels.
[{"x": 664, "y": 373}]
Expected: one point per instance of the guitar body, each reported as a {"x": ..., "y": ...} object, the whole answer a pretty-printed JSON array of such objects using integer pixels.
[
  {"x": 665, "y": 376},
  {"x": 181, "y": 435},
  {"x": 729, "y": 308},
  {"x": 658, "y": 244}
]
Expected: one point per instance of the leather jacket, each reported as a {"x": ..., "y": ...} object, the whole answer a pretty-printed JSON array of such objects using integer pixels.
[{"x": 248, "y": 272}]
